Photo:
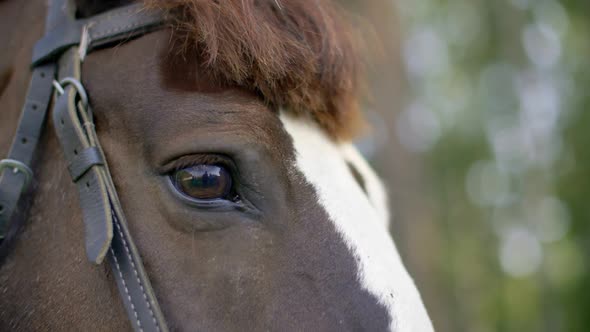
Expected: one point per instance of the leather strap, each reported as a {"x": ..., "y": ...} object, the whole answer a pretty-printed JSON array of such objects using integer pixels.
[
  {"x": 57, "y": 12},
  {"x": 24, "y": 145},
  {"x": 116, "y": 25},
  {"x": 107, "y": 232},
  {"x": 72, "y": 136},
  {"x": 13, "y": 182},
  {"x": 84, "y": 161},
  {"x": 136, "y": 291}
]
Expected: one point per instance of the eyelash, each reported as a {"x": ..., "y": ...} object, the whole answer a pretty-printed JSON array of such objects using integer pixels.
[{"x": 199, "y": 159}]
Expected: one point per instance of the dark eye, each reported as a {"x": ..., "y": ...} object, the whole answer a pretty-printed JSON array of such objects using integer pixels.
[{"x": 205, "y": 182}]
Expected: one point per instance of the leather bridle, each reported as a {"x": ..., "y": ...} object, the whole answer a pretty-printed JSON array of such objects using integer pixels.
[{"x": 56, "y": 76}]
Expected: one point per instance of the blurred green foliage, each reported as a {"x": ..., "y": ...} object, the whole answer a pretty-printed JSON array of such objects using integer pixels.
[{"x": 499, "y": 112}]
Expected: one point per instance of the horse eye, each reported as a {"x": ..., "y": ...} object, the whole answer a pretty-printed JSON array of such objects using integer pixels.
[{"x": 204, "y": 182}]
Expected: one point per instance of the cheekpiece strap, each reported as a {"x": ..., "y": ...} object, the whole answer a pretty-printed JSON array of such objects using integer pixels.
[{"x": 66, "y": 42}]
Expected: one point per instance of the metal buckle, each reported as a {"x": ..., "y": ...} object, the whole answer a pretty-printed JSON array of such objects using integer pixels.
[
  {"x": 60, "y": 86},
  {"x": 17, "y": 166}
]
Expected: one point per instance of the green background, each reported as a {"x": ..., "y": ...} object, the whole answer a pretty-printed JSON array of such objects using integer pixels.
[{"x": 482, "y": 133}]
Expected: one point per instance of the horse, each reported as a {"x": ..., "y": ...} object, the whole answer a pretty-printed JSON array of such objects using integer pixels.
[{"x": 228, "y": 136}]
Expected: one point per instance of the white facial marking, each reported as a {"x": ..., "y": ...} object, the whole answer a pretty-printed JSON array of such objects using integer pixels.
[
  {"x": 374, "y": 186},
  {"x": 361, "y": 220}
]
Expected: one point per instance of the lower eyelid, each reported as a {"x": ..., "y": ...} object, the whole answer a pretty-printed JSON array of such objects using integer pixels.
[{"x": 204, "y": 203}]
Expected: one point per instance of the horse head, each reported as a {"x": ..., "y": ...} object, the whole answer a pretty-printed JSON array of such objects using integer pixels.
[{"x": 228, "y": 139}]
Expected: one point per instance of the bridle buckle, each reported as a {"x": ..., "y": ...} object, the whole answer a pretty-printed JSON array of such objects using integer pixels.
[
  {"x": 81, "y": 92},
  {"x": 17, "y": 167}
]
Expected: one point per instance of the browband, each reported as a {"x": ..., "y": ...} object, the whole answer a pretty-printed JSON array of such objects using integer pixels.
[
  {"x": 66, "y": 41},
  {"x": 117, "y": 25}
]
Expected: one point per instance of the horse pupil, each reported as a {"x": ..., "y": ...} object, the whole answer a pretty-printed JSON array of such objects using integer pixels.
[{"x": 203, "y": 181}]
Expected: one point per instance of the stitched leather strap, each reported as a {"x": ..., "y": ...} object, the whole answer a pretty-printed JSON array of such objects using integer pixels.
[
  {"x": 93, "y": 198},
  {"x": 102, "y": 212},
  {"x": 107, "y": 232},
  {"x": 136, "y": 292},
  {"x": 103, "y": 215}
]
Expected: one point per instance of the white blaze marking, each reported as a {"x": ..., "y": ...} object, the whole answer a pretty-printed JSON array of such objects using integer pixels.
[{"x": 361, "y": 220}]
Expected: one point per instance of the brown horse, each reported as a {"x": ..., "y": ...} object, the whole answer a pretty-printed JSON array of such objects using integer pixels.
[{"x": 228, "y": 137}]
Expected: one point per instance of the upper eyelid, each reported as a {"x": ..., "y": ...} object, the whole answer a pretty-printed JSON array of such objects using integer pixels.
[{"x": 197, "y": 159}]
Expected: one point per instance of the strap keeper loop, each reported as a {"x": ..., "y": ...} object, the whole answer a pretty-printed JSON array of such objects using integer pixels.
[{"x": 84, "y": 161}]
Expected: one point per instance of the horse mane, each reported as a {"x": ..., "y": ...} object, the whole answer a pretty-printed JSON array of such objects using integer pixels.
[{"x": 298, "y": 55}]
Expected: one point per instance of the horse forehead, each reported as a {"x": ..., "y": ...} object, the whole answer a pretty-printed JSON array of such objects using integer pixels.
[
  {"x": 142, "y": 90},
  {"x": 361, "y": 218}
]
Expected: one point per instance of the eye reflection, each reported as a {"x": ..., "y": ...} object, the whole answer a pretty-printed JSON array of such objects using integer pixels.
[{"x": 204, "y": 182}]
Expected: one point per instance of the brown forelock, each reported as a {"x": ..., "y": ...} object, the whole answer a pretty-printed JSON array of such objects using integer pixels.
[
  {"x": 278, "y": 265},
  {"x": 296, "y": 54}
]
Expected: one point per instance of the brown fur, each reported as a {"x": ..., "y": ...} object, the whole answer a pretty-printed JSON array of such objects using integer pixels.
[
  {"x": 282, "y": 267},
  {"x": 295, "y": 54}
]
